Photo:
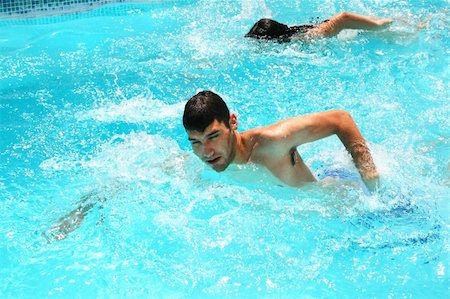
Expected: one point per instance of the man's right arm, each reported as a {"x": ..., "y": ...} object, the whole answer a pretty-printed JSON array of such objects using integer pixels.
[{"x": 348, "y": 20}]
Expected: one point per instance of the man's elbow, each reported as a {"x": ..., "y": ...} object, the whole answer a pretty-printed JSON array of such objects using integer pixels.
[
  {"x": 343, "y": 114},
  {"x": 343, "y": 117},
  {"x": 343, "y": 15}
]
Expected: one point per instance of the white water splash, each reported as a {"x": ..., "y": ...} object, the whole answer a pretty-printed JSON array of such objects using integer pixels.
[
  {"x": 253, "y": 8},
  {"x": 129, "y": 156},
  {"x": 136, "y": 110}
]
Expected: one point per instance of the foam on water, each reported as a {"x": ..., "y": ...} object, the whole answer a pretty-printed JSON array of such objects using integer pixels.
[{"x": 135, "y": 110}]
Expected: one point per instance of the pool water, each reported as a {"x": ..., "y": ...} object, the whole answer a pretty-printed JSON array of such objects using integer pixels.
[{"x": 90, "y": 111}]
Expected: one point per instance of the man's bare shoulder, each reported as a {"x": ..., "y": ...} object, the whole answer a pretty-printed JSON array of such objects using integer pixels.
[
  {"x": 261, "y": 144},
  {"x": 267, "y": 140},
  {"x": 266, "y": 134}
]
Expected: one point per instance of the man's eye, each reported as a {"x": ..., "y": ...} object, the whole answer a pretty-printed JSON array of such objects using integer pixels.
[
  {"x": 213, "y": 137},
  {"x": 195, "y": 142}
]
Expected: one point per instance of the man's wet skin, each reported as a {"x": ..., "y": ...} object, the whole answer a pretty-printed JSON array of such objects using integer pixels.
[{"x": 213, "y": 133}]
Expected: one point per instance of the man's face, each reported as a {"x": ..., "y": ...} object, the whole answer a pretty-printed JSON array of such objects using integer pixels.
[{"x": 215, "y": 145}]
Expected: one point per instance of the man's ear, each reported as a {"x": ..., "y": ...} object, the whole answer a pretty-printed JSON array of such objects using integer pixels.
[{"x": 233, "y": 122}]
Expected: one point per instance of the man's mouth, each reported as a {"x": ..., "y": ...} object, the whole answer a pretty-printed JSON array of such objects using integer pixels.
[{"x": 213, "y": 161}]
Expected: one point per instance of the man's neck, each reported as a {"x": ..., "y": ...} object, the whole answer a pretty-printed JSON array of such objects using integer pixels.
[{"x": 243, "y": 152}]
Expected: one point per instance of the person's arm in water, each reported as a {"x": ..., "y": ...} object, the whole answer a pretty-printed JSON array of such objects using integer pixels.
[
  {"x": 293, "y": 132},
  {"x": 348, "y": 20},
  {"x": 73, "y": 220}
]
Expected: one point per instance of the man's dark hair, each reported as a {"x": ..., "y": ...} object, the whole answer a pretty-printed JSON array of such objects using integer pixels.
[
  {"x": 273, "y": 30},
  {"x": 202, "y": 109}
]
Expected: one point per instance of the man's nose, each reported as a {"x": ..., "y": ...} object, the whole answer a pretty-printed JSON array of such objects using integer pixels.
[{"x": 208, "y": 151}]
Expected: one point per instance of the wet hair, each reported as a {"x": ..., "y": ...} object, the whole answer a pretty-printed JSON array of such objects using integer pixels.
[
  {"x": 272, "y": 30},
  {"x": 202, "y": 109}
]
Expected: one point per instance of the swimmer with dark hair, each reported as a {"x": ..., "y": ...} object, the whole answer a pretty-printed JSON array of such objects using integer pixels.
[
  {"x": 268, "y": 29},
  {"x": 212, "y": 132}
]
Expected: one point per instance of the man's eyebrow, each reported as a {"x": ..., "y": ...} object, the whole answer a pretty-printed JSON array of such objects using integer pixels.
[
  {"x": 209, "y": 135},
  {"x": 212, "y": 133}
]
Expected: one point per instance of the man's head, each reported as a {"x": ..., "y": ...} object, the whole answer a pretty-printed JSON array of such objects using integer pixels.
[
  {"x": 202, "y": 109},
  {"x": 211, "y": 129},
  {"x": 269, "y": 29}
]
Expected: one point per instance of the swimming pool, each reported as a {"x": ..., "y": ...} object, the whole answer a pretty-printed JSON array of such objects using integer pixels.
[{"x": 91, "y": 110}]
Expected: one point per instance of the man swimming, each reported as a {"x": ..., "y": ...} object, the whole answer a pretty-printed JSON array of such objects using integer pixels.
[
  {"x": 212, "y": 132},
  {"x": 272, "y": 30}
]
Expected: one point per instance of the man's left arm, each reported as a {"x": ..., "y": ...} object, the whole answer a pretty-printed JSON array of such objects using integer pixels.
[
  {"x": 308, "y": 128},
  {"x": 354, "y": 142}
]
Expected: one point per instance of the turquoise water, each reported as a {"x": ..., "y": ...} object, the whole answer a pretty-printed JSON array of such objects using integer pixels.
[{"x": 91, "y": 118}]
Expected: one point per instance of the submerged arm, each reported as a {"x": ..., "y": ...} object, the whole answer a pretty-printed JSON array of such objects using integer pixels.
[{"x": 72, "y": 220}]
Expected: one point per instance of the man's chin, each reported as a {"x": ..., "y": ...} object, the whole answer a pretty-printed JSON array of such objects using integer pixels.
[{"x": 219, "y": 168}]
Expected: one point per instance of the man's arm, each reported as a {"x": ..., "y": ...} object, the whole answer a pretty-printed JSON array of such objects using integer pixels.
[
  {"x": 71, "y": 221},
  {"x": 348, "y": 20},
  {"x": 355, "y": 144},
  {"x": 293, "y": 132}
]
